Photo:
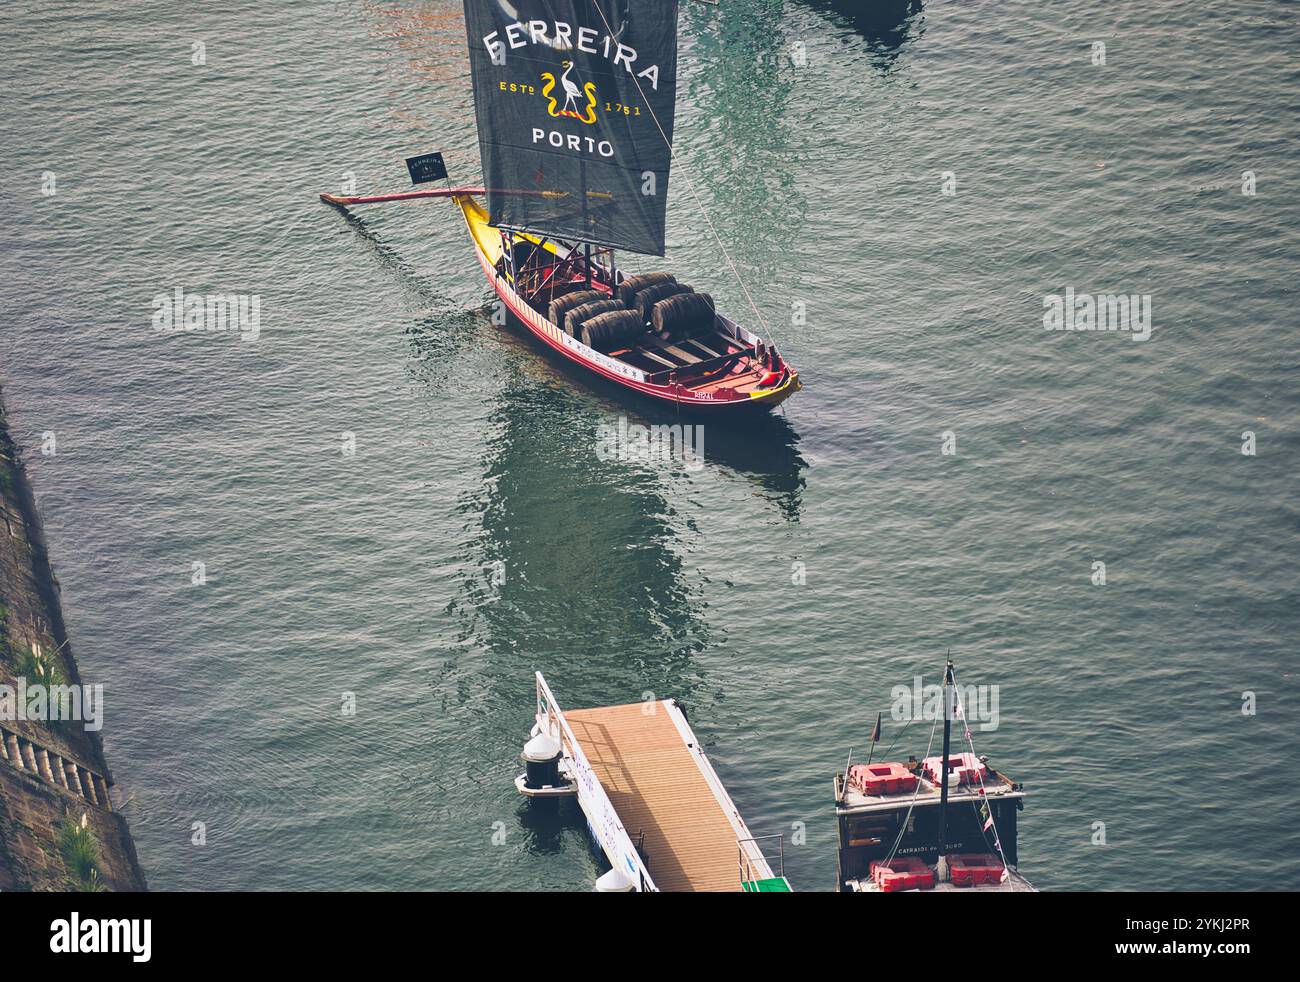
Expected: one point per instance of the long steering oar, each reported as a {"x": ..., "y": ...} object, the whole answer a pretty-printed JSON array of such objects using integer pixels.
[{"x": 340, "y": 200}]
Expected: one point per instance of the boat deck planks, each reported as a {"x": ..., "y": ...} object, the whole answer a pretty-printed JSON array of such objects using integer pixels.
[
  {"x": 703, "y": 347},
  {"x": 677, "y": 352},
  {"x": 656, "y": 786}
]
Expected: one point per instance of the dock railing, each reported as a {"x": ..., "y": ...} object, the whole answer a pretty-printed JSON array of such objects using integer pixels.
[
  {"x": 744, "y": 840},
  {"x": 753, "y": 860},
  {"x": 605, "y": 824}
]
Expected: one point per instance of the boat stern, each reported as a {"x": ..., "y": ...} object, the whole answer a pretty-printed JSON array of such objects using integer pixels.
[{"x": 776, "y": 394}]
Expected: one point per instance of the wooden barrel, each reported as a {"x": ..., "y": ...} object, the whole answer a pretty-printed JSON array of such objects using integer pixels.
[
  {"x": 683, "y": 315},
  {"x": 646, "y": 299},
  {"x": 569, "y": 301},
  {"x": 576, "y": 317},
  {"x": 628, "y": 289},
  {"x": 606, "y": 332}
]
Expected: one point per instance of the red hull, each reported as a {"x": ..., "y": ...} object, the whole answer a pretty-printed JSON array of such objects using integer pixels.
[{"x": 729, "y": 394}]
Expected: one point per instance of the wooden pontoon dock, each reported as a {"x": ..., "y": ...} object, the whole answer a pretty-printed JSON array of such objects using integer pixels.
[{"x": 652, "y": 799}]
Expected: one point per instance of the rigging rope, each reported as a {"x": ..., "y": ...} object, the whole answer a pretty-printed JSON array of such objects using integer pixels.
[
  {"x": 886, "y": 754},
  {"x": 902, "y": 828},
  {"x": 691, "y": 184},
  {"x": 916, "y": 672},
  {"x": 983, "y": 796}
]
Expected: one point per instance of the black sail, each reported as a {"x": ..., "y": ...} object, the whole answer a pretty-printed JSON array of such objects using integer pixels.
[{"x": 575, "y": 102}]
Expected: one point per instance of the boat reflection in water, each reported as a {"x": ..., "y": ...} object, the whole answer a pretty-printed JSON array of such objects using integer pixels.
[
  {"x": 570, "y": 563},
  {"x": 572, "y": 566},
  {"x": 762, "y": 450}
]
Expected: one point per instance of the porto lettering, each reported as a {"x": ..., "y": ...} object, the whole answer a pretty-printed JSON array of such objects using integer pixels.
[{"x": 580, "y": 143}]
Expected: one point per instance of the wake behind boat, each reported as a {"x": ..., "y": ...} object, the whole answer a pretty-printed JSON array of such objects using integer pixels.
[{"x": 575, "y": 103}]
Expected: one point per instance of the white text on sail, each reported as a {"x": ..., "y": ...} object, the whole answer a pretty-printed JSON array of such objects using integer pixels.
[{"x": 562, "y": 36}]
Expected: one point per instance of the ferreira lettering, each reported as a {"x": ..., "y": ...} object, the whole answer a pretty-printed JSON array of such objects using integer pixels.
[{"x": 562, "y": 36}]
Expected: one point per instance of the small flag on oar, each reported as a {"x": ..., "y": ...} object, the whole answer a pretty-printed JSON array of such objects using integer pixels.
[{"x": 426, "y": 167}]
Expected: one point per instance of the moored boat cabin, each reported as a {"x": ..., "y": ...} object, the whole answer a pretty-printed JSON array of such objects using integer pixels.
[{"x": 888, "y": 817}]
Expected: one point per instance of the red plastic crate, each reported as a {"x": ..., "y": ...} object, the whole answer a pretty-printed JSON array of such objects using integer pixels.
[
  {"x": 887, "y": 778},
  {"x": 972, "y": 869},
  {"x": 968, "y": 768},
  {"x": 902, "y": 874}
]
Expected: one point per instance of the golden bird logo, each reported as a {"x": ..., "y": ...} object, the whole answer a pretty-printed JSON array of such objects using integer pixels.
[{"x": 572, "y": 95}]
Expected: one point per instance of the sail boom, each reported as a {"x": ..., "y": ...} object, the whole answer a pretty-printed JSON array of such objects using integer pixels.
[{"x": 571, "y": 241}]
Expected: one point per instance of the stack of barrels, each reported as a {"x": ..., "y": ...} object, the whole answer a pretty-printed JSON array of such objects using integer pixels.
[
  {"x": 672, "y": 310},
  {"x": 650, "y": 301}
]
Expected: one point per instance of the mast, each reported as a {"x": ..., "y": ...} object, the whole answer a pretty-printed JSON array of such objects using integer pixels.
[
  {"x": 943, "y": 782},
  {"x": 586, "y": 222}
]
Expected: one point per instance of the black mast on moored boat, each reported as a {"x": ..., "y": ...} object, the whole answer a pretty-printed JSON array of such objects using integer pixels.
[{"x": 943, "y": 782}]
